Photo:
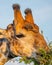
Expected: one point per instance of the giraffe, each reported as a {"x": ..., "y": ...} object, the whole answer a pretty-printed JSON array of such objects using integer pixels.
[{"x": 22, "y": 36}]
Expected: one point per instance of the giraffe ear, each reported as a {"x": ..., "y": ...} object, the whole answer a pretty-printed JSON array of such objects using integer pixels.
[{"x": 28, "y": 15}]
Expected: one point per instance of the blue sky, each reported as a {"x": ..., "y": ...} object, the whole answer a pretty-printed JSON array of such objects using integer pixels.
[
  {"x": 15, "y": 61},
  {"x": 41, "y": 9}
]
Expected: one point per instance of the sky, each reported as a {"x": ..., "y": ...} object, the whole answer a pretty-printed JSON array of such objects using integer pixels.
[
  {"x": 41, "y": 10},
  {"x": 15, "y": 61}
]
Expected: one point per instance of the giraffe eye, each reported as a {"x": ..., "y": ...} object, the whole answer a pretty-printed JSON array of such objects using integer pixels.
[{"x": 20, "y": 35}]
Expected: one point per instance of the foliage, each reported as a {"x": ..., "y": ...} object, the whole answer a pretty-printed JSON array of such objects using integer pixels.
[
  {"x": 29, "y": 60},
  {"x": 43, "y": 58}
]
